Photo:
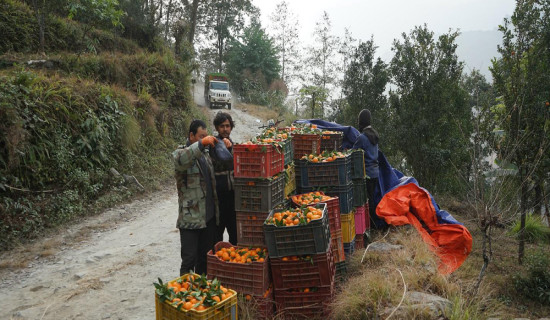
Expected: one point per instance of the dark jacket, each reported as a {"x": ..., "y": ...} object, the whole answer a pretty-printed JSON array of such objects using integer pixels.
[
  {"x": 371, "y": 155},
  {"x": 224, "y": 172}
]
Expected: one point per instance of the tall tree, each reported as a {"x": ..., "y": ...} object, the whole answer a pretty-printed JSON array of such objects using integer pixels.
[
  {"x": 365, "y": 81},
  {"x": 252, "y": 57},
  {"x": 323, "y": 55},
  {"x": 286, "y": 39},
  {"x": 225, "y": 19},
  {"x": 431, "y": 112},
  {"x": 520, "y": 76}
]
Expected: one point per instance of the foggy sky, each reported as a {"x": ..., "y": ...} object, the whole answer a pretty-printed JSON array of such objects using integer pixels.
[{"x": 388, "y": 19}]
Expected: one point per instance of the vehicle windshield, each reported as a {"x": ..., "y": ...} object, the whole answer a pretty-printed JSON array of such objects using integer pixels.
[{"x": 219, "y": 85}]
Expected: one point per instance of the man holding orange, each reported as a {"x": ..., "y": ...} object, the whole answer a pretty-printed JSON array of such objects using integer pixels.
[{"x": 198, "y": 214}]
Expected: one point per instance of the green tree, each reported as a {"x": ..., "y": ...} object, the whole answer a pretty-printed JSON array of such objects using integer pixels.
[
  {"x": 313, "y": 98},
  {"x": 286, "y": 39},
  {"x": 225, "y": 19},
  {"x": 432, "y": 116},
  {"x": 520, "y": 77},
  {"x": 252, "y": 62},
  {"x": 323, "y": 71},
  {"x": 365, "y": 81},
  {"x": 95, "y": 13}
]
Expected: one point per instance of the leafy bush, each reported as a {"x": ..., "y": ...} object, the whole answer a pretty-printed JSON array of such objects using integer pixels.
[
  {"x": 535, "y": 230},
  {"x": 20, "y": 33},
  {"x": 536, "y": 284},
  {"x": 60, "y": 136}
]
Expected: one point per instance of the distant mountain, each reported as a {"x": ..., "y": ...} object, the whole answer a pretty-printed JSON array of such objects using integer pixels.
[{"x": 477, "y": 49}]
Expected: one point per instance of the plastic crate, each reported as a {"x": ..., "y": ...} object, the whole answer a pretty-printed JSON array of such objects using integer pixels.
[
  {"x": 263, "y": 306},
  {"x": 349, "y": 248},
  {"x": 367, "y": 216},
  {"x": 226, "y": 309},
  {"x": 337, "y": 246},
  {"x": 331, "y": 141},
  {"x": 259, "y": 195},
  {"x": 348, "y": 226},
  {"x": 359, "y": 241},
  {"x": 358, "y": 164},
  {"x": 250, "y": 228},
  {"x": 313, "y": 271},
  {"x": 324, "y": 174},
  {"x": 290, "y": 180},
  {"x": 333, "y": 210},
  {"x": 247, "y": 278},
  {"x": 305, "y": 144},
  {"x": 312, "y": 238},
  {"x": 257, "y": 160},
  {"x": 360, "y": 220},
  {"x": 304, "y": 305},
  {"x": 341, "y": 272},
  {"x": 288, "y": 151},
  {"x": 359, "y": 192},
  {"x": 344, "y": 194}
]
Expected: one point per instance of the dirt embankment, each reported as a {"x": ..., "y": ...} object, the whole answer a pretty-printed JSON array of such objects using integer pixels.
[{"x": 104, "y": 267}]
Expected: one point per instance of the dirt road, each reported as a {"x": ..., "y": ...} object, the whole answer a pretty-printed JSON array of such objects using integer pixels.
[{"x": 104, "y": 267}]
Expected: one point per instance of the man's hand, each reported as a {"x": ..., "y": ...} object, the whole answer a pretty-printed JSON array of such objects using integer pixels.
[
  {"x": 227, "y": 143},
  {"x": 209, "y": 141}
]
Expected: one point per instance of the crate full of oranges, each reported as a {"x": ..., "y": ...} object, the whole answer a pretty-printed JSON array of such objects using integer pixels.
[
  {"x": 193, "y": 297},
  {"x": 297, "y": 231},
  {"x": 245, "y": 269}
]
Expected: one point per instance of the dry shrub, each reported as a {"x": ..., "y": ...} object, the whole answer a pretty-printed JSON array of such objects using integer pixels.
[{"x": 375, "y": 285}]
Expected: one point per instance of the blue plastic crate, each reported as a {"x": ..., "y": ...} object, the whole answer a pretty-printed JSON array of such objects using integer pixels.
[{"x": 349, "y": 248}]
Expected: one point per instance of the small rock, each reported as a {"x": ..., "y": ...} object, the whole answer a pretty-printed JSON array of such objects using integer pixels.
[
  {"x": 79, "y": 275},
  {"x": 382, "y": 246}
]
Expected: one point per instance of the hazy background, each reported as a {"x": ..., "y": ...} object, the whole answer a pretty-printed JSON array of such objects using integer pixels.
[{"x": 386, "y": 20}]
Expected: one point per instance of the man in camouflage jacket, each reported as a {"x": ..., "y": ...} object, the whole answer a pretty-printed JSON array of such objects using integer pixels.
[{"x": 198, "y": 202}]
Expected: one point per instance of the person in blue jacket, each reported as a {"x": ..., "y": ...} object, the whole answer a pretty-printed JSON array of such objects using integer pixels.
[{"x": 368, "y": 141}]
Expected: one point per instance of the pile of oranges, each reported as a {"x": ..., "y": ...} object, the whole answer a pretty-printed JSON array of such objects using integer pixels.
[
  {"x": 296, "y": 258},
  {"x": 326, "y": 156},
  {"x": 192, "y": 292},
  {"x": 295, "y": 217},
  {"x": 310, "y": 198},
  {"x": 241, "y": 255}
]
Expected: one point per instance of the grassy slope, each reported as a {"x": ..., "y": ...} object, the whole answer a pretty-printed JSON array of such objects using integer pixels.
[
  {"x": 376, "y": 285},
  {"x": 72, "y": 119}
]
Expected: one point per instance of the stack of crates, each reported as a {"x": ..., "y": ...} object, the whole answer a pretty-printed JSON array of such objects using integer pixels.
[
  {"x": 359, "y": 197},
  {"x": 263, "y": 175},
  {"x": 333, "y": 210},
  {"x": 302, "y": 266},
  {"x": 251, "y": 279}
]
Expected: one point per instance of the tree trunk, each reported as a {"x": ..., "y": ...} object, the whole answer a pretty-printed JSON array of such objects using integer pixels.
[
  {"x": 538, "y": 198},
  {"x": 39, "y": 11},
  {"x": 167, "y": 26},
  {"x": 523, "y": 208},
  {"x": 193, "y": 22}
]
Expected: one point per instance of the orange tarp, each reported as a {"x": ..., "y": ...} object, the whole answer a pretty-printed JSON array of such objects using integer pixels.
[{"x": 410, "y": 204}]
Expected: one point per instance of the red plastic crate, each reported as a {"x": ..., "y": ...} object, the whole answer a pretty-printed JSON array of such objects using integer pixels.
[
  {"x": 305, "y": 144},
  {"x": 308, "y": 271},
  {"x": 331, "y": 141},
  {"x": 360, "y": 220},
  {"x": 304, "y": 305},
  {"x": 264, "y": 305},
  {"x": 359, "y": 241},
  {"x": 250, "y": 228},
  {"x": 247, "y": 278},
  {"x": 257, "y": 160},
  {"x": 337, "y": 246},
  {"x": 367, "y": 216},
  {"x": 333, "y": 210}
]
